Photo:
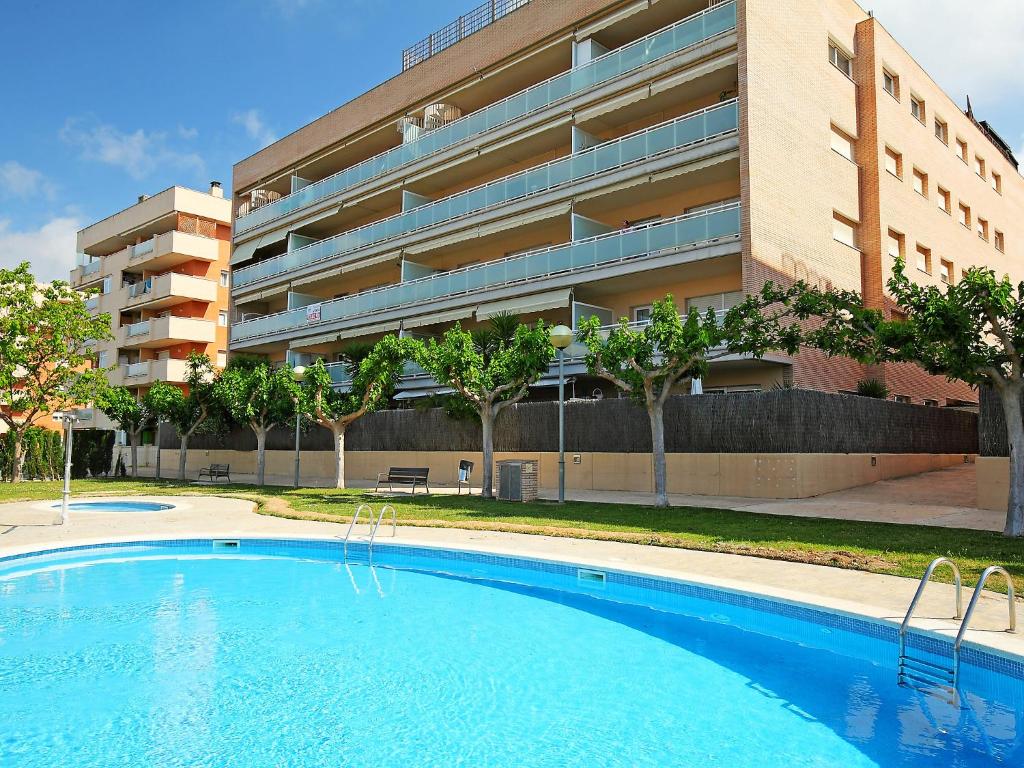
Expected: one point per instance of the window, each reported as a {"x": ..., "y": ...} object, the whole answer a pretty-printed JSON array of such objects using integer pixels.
[
  {"x": 901, "y": 398},
  {"x": 921, "y": 182},
  {"x": 917, "y": 108},
  {"x": 222, "y": 318},
  {"x": 945, "y": 270},
  {"x": 891, "y": 84},
  {"x": 102, "y": 359},
  {"x": 965, "y": 215},
  {"x": 945, "y": 200},
  {"x": 222, "y": 358},
  {"x": 931, "y": 403},
  {"x": 844, "y": 230},
  {"x": 106, "y": 285},
  {"x": 894, "y": 162},
  {"x": 716, "y": 301},
  {"x": 979, "y": 166},
  {"x": 225, "y": 278},
  {"x": 897, "y": 245},
  {"x": 641, "y": 314},
  {"x": 997, "y": 182},
  {"x": 1000, "y": 245},
  {"x": 983, "y": 229},
  {"x": 924, "y": 258},
  {"x": 840, "y": 60},
  {"x": 961, "y": 147},
  {"x": 941, "y": 131},
  {"x": 842, "y": 143}
]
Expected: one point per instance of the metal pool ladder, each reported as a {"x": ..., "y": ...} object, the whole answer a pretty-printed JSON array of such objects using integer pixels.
[
  {"x": 925, "y": 675},
  {"x": 376, "y": 525}
]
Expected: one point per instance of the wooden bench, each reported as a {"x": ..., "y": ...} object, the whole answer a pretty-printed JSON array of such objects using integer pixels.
[
  {"x": 403, "y": 476},
  {"x": 214, "y": 471}
]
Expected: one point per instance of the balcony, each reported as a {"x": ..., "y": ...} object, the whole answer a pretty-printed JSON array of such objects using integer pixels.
[
  {"x": 148, "y": 372},
  {"x": 170, "y": 249},
  {"x": 169, "y": 289},
  {"x": 677, "y": 37},
  {"x": 87, "y": 271},
  {"x": 635, "y": 148},
  {"x": 163, "y": 331},
  {"x": 569, "y": 262}
]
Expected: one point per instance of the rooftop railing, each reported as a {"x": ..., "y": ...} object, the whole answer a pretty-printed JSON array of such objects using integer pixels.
[
  {"x": 464, "y": 26},
  {"x": 674, "y": 134},
  {"x": 690, "y": 31}
]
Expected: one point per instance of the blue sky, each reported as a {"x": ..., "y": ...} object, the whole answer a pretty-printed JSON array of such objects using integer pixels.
[{"x": 114, "y": 98}]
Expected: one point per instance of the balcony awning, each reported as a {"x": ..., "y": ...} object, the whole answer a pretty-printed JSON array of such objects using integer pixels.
[
  {"x": 344, "y": 268},
  {"x": 524, "y": 305},
  {"x": 551, "y": 381},
  {"x": 242, "y": 253},
  {"x": 411, "y": 394},
  {"x": 347, "y": 333},
  {"x": 438, "y": 317}
]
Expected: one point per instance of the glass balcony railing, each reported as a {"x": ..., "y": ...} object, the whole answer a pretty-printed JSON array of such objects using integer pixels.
[
  {"x": 137, "y": 329},
  {"x": 91, "y": 267},
  {"x": 143, "y": 248},
  {"x": 683, "y": 34},
  {"x": 674, "y": 134},
  {"x": 690, "y": 229}
]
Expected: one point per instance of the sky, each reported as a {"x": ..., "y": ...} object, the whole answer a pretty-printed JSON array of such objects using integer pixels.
[{"x": 110, "y": 99}]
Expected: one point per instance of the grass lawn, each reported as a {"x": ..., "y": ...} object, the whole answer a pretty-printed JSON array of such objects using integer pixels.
[{"x": 903, "y": 550}]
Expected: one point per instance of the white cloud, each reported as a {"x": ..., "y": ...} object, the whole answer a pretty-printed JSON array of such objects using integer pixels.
[
  {"x": 16, "y": 180},
  {"x": 976, "y": 53},
  {"x": 50, "y": 248},
  {"x": 138, "y": 153},
  {"x": 187, "y": 133},
  {"x": 254, "y": 126}
]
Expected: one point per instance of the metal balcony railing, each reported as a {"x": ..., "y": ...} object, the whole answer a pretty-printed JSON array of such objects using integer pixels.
[
  {"x": 675, "y": 134},
  {"x": 464, "y": 26},
  {"x": 687, "y": 230},
  {"x": 683, "y": 34}
]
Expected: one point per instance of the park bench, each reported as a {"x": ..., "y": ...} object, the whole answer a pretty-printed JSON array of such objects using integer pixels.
[
  {"x": 214, "y": 471},
  {"x": 403, "y": 476}
]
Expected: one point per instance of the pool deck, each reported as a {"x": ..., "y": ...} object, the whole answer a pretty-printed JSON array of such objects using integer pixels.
[{"x": 26, "y": 527}]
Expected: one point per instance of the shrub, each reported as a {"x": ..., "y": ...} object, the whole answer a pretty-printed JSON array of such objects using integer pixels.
[{"x": 872, "y": 388}]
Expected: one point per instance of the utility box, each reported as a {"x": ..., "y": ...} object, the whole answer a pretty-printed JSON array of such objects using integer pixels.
[{"x": 517, "y": 480}]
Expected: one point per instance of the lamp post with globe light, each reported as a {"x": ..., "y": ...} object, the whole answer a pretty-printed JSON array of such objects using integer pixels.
[{"x": 561, "y": 337}]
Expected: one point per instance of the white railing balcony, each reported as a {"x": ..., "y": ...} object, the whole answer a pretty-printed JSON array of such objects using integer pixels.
[
  {"x": 135, "y": 370},
  {"x": 137, "y": 329},
  {"x": 142, "y": 249}
]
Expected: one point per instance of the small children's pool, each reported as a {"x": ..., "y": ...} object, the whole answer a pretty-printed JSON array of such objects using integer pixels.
[{"x": 116, "y": 506}]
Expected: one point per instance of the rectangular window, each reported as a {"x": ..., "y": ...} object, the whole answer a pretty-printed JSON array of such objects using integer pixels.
[
  {"x": 844, "y": 230},
  {"x": 983, "y": 229},
  {"x": 965, "y": 215},
  {"x": 961, "y": 148},
  {"x": 891, "y": 84},
  {"x": 642, "y": 314},
  {"x": 225, "y": 278},
  {"x": 106, "y": 285},
  {"x": 840, "y": 60},
  {"x": 894, "y": 162},
  {"x": 924, "y": 258},
  {"x": 1000, "y": 244},
  {"x": 997, "y": 182},
  {"x": 931, "y": 403},
  {"x": 917, "y": 109},
  {"x": 222, "y": 318},
  {"x": 941, "y": 131},
  {"x": 842, "y": 143},
  {"x": 222, "y": 358},
  {"x": 102, "y": 360},
  {"x": 716, "y": 301},
  {"x": 945, "y": 200},
  {"x": 897, "y": 245},
  {"x": 921, "y": 182},
  {"x": 901, "y": 398},
  {"x": 945, "y": 270},
  {"x": 979, "y": 166}
]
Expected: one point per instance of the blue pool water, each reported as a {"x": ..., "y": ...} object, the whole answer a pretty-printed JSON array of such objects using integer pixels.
[
  {"x": 116, "y": 506},
  {"x": 271, "y": 654}
]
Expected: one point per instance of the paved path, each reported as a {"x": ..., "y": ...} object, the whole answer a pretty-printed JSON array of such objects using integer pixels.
[{"x": 874, "y": 595}]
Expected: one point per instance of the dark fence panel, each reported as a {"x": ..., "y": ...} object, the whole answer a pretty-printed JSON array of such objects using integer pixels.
[
  {"x": 991, "y": 425},
  {"x": 786, "y": 421}
]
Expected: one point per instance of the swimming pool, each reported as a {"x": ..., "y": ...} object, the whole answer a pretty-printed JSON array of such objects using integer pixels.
[
  {"x": 116, "y": 506},
  {"x": 265, "y": 653}
]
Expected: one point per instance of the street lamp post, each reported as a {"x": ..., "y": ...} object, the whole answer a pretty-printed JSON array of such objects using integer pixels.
[
  {"x": 68, "y": 419},
  {"x": 298, "y": 373},
  {"x": 561, "y": 337}
]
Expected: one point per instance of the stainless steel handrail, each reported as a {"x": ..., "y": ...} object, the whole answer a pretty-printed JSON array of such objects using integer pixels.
[
  {"x": 1012, "y": 606},
  {"x": 380, "y": 517},
  {"x": 920, "y": 591},
  {"x": 351, "y": 525}
]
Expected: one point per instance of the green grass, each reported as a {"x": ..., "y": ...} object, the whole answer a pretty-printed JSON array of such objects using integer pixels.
[{"x": 903, "y": 550}]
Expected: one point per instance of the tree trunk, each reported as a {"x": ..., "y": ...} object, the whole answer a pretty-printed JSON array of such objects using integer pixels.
[
  {"x": 18, "y": 463},
  {"x": 339, "y": 455},
  {"x": 261, "y": 454},
  {"x": 1011, "y": 399},
  {"x": 656, "y": 412},
  {"x": 182, "y": 456},
  {"x": 134, "y": 437},
  {"x": 487, "y": 421}
]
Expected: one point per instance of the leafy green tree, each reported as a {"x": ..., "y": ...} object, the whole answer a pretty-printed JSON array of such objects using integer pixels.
[
  {"x": 490, "y": 369},
  {"x": 131, "y": 415},
  {"x": 46, "y": 333},
  {"x": 648, "y": 362},
  {"x": 971, "y": 331},
  {"x": 191, "y": 413},
  {"x": 254, "y": 393},
  {"x": 375, "y": 371}
]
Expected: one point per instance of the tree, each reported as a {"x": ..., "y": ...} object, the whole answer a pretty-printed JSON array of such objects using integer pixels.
[
  {"x": 648, "y": 362},
  {"x": 190, "y": 413},
  {"x": 254, "y": 393},
  {"x": 972, "y": 330},
  {"x": 375, "y": 371},
  {"x": 129, "y": 413},
  {"x": 45, "y": 336},
  {"x": 490, "y": 369}
]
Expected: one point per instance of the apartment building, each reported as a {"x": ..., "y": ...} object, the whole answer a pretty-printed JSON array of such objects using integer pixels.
[
  {"x": 161, "y": 267},
  {"x": 567, "y": 160}
]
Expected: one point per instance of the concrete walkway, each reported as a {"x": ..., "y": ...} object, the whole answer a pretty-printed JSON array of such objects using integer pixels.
[{"x": 28, "y": 526}]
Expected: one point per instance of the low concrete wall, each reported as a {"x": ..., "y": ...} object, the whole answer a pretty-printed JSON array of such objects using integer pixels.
[
  {"x": 993, "y": 482},
  {"x": 753, "y": 475}
]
